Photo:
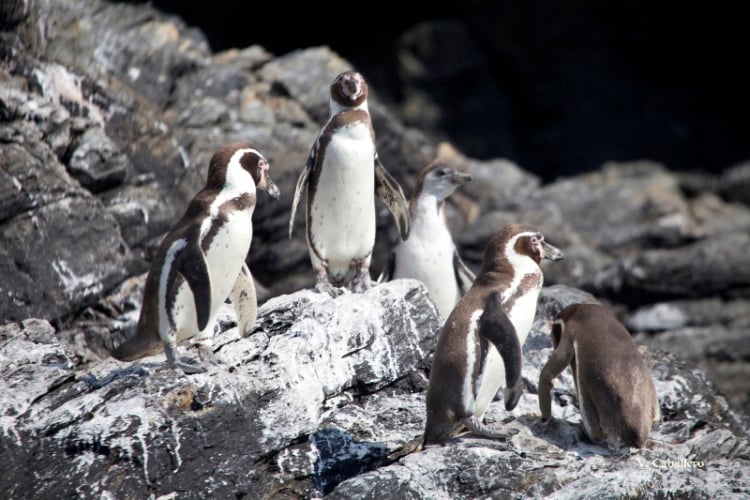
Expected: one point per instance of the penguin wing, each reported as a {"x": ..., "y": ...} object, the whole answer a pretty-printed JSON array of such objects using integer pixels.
[
  {"x": 496, "y": 327},
  {"x": 464, "y": 276},
  {"x": 245, "y": 300},
  {"x": 301, "y": 184},
  {"x": 389, "y": 191},
  {"x": 190, "y": 263},
  {"x": 389, "y": 269},
  {"x": 560, "y": 358}
]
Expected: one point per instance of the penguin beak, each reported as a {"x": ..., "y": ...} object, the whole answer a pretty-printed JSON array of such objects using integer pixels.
[
  {"x": 460, "y": 178},
  {"x": 551, "y": 252},
  {"x": 271, "y": 188}
]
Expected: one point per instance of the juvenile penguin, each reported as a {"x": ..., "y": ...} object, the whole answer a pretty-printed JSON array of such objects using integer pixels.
[
  {"x": 429, "y": 254},
  {"x": 616, "y": 395},
  {"x": 342, "y": 176},
  {"x": 479, "y": 346},
  {"x": 201, "y": 262}
]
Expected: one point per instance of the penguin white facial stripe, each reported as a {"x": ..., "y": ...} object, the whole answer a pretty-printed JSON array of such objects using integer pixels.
[
  {"x": 522, "y": 264},
  {"x": 236, "y": 175},
  {"x": 167, "y": 271},
  {"x": 467, "y": 395},
  {"x": 238, "y": 182}
]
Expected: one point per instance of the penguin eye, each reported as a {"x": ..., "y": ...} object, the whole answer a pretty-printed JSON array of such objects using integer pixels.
[{"x": 440, "y": 172}]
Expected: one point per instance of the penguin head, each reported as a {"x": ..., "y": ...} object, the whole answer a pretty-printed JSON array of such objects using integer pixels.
[
  {"x": 514, "y": 244},
  {"x": 257, "y": 165},
  {"x": 231, "y": 164},
  {"x": 348, "y": 91},
  {"x": 440, "y": 180}
]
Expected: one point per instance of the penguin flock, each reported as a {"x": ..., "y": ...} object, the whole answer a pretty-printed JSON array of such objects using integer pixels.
[{"x": 486, "y": 317}]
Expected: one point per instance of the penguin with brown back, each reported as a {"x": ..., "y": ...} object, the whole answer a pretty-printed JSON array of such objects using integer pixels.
[
  {"x": 615, "y": 391},
  {"x": 479, "y": 346},
  {"x": 202, "y": 261}
]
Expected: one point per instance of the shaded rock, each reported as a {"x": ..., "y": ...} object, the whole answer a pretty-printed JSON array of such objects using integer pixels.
[
  {"x": 78, "y": 255},
  {"x": 713, "y": 266},
  {"x": 96, "y": 162},
  {"x": 12, "y": 13},
  {"x": 735, "y": 183},
  {"x": 434, "y": 58}
]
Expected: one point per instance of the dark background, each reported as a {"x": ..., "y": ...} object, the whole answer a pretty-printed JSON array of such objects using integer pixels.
[{"x": 558, "y": 87}]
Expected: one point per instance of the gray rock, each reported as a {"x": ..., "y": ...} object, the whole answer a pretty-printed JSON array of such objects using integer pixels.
[
  {"x": 78, "y": 255},
  {"x": 96, "y": 162},
  {"x": 703, "y": 268},
  {"x": 735, "y": 183},
  {"x": 247, "y": 415},
  {"x": 310, "y": 404}
]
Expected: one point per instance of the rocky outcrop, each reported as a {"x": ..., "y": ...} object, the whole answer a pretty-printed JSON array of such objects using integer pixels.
[
  {"x": 326, "y": 398},
  {"x": 108, "y": 115}
]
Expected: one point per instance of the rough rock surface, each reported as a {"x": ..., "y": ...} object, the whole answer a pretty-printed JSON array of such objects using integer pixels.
[{"x": 326, "y": 397}]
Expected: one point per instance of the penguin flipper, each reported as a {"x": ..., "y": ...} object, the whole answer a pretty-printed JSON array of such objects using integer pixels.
[
  {"x": 464, "y": 276},
  {"x": 560, "y": 358},
  {"x": 301, "y": 185},
  {"x": 389, "y": 191},
  {"x": 496, "y": 327},
  {"x": 389, "y": 269},
  {"x": 245, "y": 300},
  {"x": 191, "y": 265}
]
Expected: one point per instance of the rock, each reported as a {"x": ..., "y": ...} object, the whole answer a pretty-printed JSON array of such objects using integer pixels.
[
  {"x": 735, "y": 183},
  {"x": 312, "y": 404},
  {"x": 309, "y": 354}
]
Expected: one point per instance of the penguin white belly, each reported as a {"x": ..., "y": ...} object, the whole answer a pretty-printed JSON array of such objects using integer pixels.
[
  {"x": 343, "y": 209},
  {"x": 430, "y": 260},
  {"x": 224, "y": 258},
  {"x": 522, "y": 314},
  {"x": 226, "y": 255},
  {"x": 493, "y": 378},
  {"x": 493, "y": 375}
]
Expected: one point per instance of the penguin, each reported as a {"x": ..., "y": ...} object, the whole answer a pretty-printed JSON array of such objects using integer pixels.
[
  {"x": 616, "y": 394},
  {"x": 429, "y": 254},
  {"x": 201, "y": 262},
  {"x": 479, "y": 346},
  {"x": 342, "y": 176}
]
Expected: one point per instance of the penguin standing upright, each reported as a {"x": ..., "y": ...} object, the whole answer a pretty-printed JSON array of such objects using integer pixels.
[
  {"x": 429, "y": 254},
  {"x": 342, "y": 176},
  {"x": 201, "y": 262},
  {"x": 479, "y": 346}
]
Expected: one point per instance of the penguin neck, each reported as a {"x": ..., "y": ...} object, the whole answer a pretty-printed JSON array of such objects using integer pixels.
[
  {"x": 428, "y": 209},
  {"x": 336, "y": 108},
  {"x": 237, "y": 182}
]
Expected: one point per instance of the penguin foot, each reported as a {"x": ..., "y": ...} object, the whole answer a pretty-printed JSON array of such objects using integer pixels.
[
  {"x": 189, "y": 368},
  {"x": 207, "y": 355},
  {"x": 362, "y": 281},
  {"x": 481, "y": 429},
  {"x": 174, "y": 363},
  {"x": 326, "y": 287}
]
